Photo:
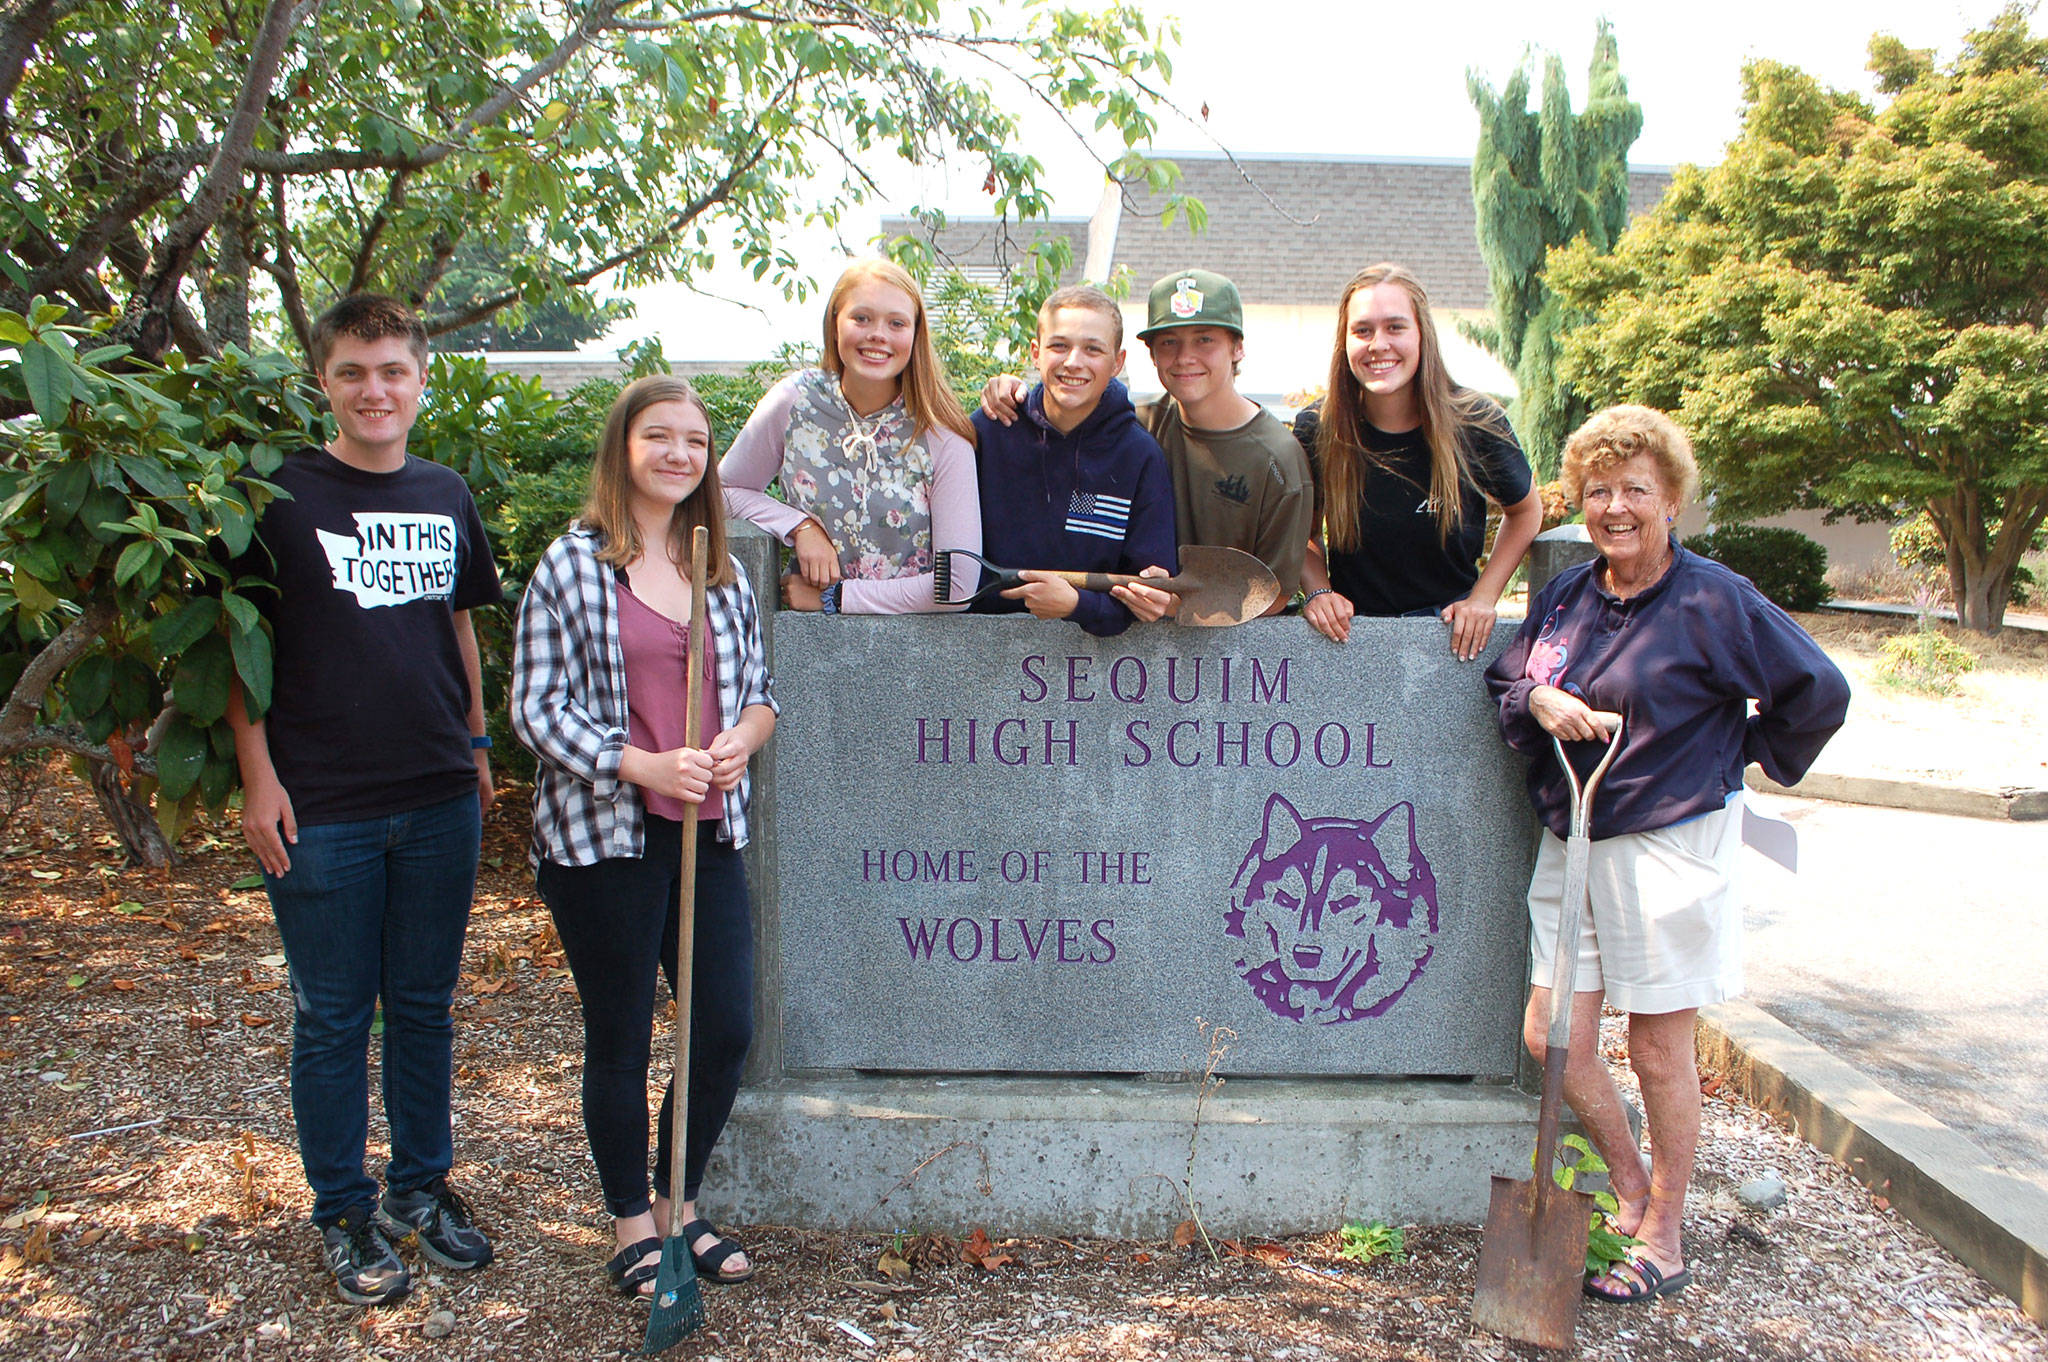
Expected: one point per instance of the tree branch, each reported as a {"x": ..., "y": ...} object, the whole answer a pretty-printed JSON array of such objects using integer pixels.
[
  {"x": 73, "y": 641},
  {"x": 181, "y": 240},
  {"x": 366, "y": 249},
  {"x": 286, "y": 271},
  {"x": 442, "y": 323},
  {"x": 23, "y": 27},
  {"x": 150, "y": 184}
]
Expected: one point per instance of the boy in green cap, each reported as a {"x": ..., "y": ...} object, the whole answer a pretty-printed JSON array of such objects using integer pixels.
[{"x": 1240, "y": 479}]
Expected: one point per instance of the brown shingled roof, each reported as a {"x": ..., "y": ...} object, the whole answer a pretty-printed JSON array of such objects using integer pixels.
[
  {"x": 1295, "y": 234},
  {"x": 1346, "y": 214}
]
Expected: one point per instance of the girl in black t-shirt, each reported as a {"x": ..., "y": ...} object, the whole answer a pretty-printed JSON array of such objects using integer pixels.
[{"x": 1405, "y": 465}]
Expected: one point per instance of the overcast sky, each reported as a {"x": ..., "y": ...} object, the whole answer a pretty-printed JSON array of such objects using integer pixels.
[{"x": 1321, "y": 78}]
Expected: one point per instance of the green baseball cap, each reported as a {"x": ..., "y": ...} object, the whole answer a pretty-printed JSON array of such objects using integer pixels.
[{"x": 1193, "y": 298}]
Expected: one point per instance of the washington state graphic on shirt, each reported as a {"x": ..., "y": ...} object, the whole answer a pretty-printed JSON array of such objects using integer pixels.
[{"x": 393, "y": 557}]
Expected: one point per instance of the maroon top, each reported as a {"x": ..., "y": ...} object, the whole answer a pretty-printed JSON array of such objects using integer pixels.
[{"x": 654, "y": 646}]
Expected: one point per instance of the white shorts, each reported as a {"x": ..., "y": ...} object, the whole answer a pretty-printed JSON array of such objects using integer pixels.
[{"x": 1665, "y": 930}]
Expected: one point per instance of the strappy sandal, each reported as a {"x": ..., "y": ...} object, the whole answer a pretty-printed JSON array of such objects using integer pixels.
[
  {"x": 635, "y": 1267},
  {"x": 1649, "y": 1282},
  {"x": 711, "y": 1262}
]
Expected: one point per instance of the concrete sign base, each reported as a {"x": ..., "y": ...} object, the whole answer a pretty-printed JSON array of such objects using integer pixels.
[{"x": 1073, "y": 1156}]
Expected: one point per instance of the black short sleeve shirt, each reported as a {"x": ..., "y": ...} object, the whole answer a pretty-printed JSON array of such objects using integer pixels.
[
  {"x": 370, "y": 698},
  {"x": 1401, "y": 563}
]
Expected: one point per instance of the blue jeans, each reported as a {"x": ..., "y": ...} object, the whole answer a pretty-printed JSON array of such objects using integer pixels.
[{"x": 375, "y": 909}]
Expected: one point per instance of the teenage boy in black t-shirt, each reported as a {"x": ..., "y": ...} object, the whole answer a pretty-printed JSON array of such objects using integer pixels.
[{"x": 363, "y": 788}]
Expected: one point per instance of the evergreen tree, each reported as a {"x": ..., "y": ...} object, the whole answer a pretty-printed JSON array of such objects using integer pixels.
[{"x": 1542, "y": 179}]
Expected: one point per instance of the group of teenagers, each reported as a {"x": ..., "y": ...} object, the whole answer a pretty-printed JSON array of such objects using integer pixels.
[{"x": 365, "y": 781}]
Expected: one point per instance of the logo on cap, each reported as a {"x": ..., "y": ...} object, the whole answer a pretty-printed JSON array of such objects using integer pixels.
[{"x": 1186, "y": 300}]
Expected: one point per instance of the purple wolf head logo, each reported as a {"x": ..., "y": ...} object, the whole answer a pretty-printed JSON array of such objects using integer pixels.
[{"x": 1337, "y": 916}]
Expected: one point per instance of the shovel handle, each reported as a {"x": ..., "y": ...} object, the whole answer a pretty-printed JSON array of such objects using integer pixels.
[
  {"x": 1582, "y": 792},
  {"x": 1578, "y": 856},
  {"x": 1103, "y": 581}
]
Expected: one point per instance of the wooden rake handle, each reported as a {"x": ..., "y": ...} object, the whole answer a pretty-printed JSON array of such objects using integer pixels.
[{"x": 686, "y": 892}]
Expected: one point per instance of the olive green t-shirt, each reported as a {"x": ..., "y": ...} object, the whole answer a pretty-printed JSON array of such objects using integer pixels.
[{"x": 1247, "y": 488}]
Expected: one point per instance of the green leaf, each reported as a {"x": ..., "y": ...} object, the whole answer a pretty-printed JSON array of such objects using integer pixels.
[
  {"x": 66, "y": 490},
  {"x": 248, "y": 882},
  {"x": 136, "y": 558},
  {"x": 200, "y": 684},
  {"x": 408, "y": 10},
  {"x": 179, "y": 759},
  {"x": 48, "y": 375},
  {"x": 153, "y": 477},
  {"x": 35, "y": 598},
  {"x": 242, "y": 611},
  {"x": 134, "y": 691},
  {"x": 252, "y": 664},
  {"x": 185, "y": 626},
  {"x": 237, "y": 524},
  {"x": 217, "y": 778},
  {"x": 88, "y": 684}
]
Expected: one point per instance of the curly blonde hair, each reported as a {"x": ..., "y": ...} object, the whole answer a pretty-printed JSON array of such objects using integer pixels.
[{"x": 1616, "y": 435}]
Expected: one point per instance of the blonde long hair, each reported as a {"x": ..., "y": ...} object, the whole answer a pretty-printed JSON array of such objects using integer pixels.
[
  {"x": 608, "y": 508},
  {"x": 1447, "y": 411},
  {"x": 926, "y": 394}
]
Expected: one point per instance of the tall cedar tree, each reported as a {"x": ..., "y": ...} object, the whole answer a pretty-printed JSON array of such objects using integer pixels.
[{"x": 1542, "y": 179}]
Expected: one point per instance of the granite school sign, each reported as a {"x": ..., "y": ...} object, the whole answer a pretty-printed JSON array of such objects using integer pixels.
[
  {"x": 1321, "y": 848},
  {"x": 1007, "y": 868}
]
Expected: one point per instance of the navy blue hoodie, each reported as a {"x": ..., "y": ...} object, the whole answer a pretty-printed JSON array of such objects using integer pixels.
[
  {"x": 1096, "y": 500},
  {"x": 1680, "y": 662}
]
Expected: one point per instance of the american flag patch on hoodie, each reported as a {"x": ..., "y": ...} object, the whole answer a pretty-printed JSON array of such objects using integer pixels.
[{"x": 1096, "y": 514}]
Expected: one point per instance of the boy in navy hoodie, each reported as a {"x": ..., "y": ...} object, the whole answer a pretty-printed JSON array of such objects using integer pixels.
[{"x": 1077, "y": 485}]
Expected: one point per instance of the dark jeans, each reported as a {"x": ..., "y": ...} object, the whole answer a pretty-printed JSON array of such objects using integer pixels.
[
  {"x": 375, "y": 909},
  {"x": 616, "y": 919}
]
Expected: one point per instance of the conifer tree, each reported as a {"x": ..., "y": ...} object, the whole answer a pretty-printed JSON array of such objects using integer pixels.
[{"x": 1542, "y": 178}]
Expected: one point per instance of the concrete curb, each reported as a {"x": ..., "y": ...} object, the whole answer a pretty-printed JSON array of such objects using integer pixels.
[
  {"x": 1995, "y": 1222},
  {"x": 1921, "y": 796}
]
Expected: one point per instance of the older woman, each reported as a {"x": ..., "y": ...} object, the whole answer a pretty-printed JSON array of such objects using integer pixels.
[{"x": 1679, "y": 646}]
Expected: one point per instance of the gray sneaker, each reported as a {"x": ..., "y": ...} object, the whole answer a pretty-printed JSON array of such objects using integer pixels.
[
  {"x": 366, "y": 1269},
  {"x": 436, "y": 1219}
]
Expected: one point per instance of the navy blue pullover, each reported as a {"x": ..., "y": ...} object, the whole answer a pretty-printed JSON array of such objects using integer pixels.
[
  {"x": 1096, "y": 500},
  {"x": 1680, "y": 662}
]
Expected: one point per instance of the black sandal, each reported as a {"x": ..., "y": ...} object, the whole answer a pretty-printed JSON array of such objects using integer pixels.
[
  {"x": 635, "y": 1266},
  {"x": 711, "y": 1262}
]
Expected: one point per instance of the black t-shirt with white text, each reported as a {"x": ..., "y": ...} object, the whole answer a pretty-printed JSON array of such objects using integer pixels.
[
  {"x": 1401, "y": 563},
  {"x": 370, "y": 699}
]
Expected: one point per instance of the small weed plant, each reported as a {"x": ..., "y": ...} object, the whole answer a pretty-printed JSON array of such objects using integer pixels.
[
  {"x": 1605, "y": 1246},
  {"x": 1925, "y": 660},
  {"x": 1363, "y": 1243}
]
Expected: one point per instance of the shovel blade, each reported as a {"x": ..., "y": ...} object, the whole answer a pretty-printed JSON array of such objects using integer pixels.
[
  {"x": 1230, "y": 586},
  {"x": 1532, "y": 1263}
]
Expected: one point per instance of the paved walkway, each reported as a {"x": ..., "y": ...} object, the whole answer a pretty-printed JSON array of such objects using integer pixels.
[{"x": 1915, "y": 947}]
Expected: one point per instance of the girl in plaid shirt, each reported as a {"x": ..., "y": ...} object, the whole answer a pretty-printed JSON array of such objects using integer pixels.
[{"x": 597, "y": 693}]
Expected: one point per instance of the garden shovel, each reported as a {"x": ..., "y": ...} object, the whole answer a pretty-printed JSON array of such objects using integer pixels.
[
  {"x": 1216, "y": 586},
  {"x": 1532, "y": 1260},
  {"x": 678, "y": 1301}
]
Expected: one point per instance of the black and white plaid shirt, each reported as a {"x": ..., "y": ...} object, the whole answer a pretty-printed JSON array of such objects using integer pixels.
[{"x": 569, "y": 701}]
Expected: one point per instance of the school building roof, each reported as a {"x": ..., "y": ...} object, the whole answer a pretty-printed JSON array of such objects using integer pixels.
[{"x": 1288, "y": 230}]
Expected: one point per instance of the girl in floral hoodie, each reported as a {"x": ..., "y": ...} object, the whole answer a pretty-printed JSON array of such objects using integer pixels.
[{"x": 874, "y": 452}]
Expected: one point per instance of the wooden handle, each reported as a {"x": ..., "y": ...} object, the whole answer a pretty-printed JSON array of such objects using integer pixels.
[
  {"x": 1103, "y": 581},
  {"x": 686, "y": 891}
]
